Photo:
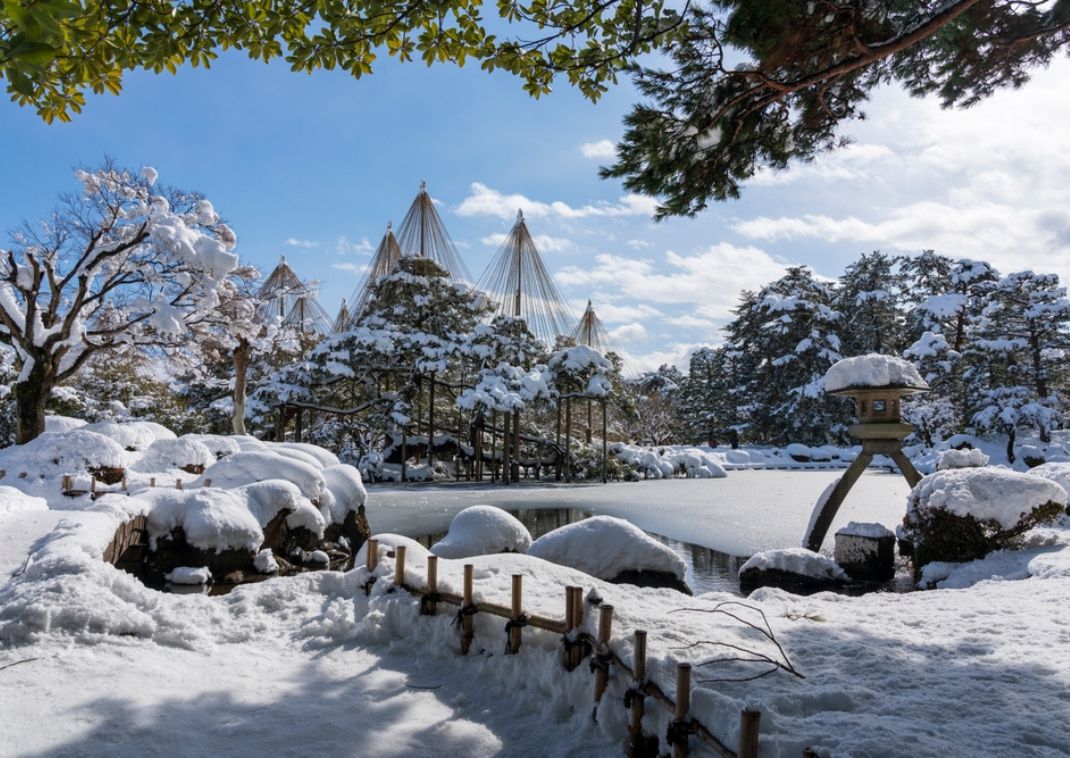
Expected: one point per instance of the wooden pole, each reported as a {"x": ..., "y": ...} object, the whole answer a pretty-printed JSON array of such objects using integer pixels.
[
  {"x": 92, "y": 485},
  {"x": 299, "y": 425},
  {"x": 152, "y": 481},
  {"x": 507, "y": 450},
  {"x": 518, "y": 611},
  {"x": 178, "y": 484},
  {"x": 66, "y": 484},
  {"x": 749, "y": 721},
  {"x": 557, "y": 474},
  {"x": 570, "y": 624},
  {"x": 493, "y": 445},
  {"x": 431, "y": 607},
  {"x": 516, "y": 446},
  {"x": 467, "y": 630},
  {"x": 635, "y": 726},
  {"x": 399, "y": 565},
  {"x": 568, "y": 439},
  {"x": 605, "y": 445},
  {"x": 372, "y": 553},
  {"x": 431, "y": 422},
  {"x": 683, "y": 705},
  {"x": 207, "y": 482},
  {"x": 605, "y": 628}
]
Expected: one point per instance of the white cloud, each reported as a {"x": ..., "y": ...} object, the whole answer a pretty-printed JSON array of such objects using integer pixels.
[
  {"x": 677, "y": 354},
  {"x": 634, "y": 332},
  {"x": 544, "y": 242},
  {"x": 639, "y": 244},
  {"x": 857, "y": 161},
  {"x": 343, "y": 245},
  {"x": 610, "y": 313},
  {"x": 709, "y": 281},
  {"x": 485, "y": 201},
  {"x": 355, "y": 268},
  {"x": 603, "y": 149},
  {"x": 306, "y": 244}
]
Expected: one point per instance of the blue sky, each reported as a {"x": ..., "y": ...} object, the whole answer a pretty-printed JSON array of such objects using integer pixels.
[{"x": 312, "y": 167}]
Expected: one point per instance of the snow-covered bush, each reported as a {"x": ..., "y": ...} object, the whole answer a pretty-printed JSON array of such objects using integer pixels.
[
  {"x": 183, "y": 453},
  {"x": 966, "y": 458},
  {"x": 962, "y": 514},
  {"x": 1056, "y": 472},
  {"x": 482, "y": 530}
]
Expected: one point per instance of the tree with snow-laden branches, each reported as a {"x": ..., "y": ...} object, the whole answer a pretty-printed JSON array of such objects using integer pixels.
[{"x": 120, "y": 262}]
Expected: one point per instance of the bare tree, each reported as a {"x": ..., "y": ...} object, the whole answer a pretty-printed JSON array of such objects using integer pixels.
[{"x": 118, "y": 263}]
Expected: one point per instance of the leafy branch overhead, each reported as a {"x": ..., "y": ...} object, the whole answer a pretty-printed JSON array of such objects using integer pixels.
[
  {"x": 53, "y": 51},
  {"x": 728, "y": 86}
]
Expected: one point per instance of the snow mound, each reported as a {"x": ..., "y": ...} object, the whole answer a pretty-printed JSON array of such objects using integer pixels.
[
  {"x": 415, "y": 553},
  {"x": 263, "y": 465},
  {"x": 967, "y": 458},
  {"x": 13, "y": 501},
  {"x": 131, "y": 435},
  {"x": 482, "y": 530},
  {"x": 345, "y": 492},
  {"x": 1055, "y": 472},
  {"x": 53, "y": 454},
  {"x": 224, "y": 519},
  {"x": 63, "y": 423},
  {"x": 169, "y": 454},
  {"x": 322, "y": 456},
  {"x": 796, "y": 560},
  {"x": 873, "y": 370},
  {"x": 220, "y": 445},
  {"x": 987, "y": 494},
  {"x": 605, "y": 547}
]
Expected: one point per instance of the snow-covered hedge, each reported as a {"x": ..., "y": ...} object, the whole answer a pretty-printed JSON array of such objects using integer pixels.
[{"x": 962, "y": 514}]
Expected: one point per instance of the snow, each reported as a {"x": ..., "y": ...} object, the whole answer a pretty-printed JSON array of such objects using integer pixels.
[
  {"x": 796, "y": 560},
  {"x": 949, "y": 671},
  {"x": 481, "y": 530},
  {"x": 873, "y": 370},
  {"x": 605, "y": 546},
  {"x": 862, "y": 529},
  {"x": 344, "y": 492},
  {"x": 1056, "y": 472},
  {"x": 263, "y": 465},
  {"x": 213, "y": 519},
  {"x": 265, "y": 562},
  {"x": 967, "y": 458},
  {"x": 168, "y": 454},
  {"x": 62, "y": 423},
  {"x": 189, "y": 575},
  {"x": 131, "y": 435},
  {"x": 15, "y": 501},
  {"x": 987, "y": 494}
]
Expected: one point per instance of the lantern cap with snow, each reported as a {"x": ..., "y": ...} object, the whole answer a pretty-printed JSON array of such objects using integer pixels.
[{"x": 877, "y": 383}]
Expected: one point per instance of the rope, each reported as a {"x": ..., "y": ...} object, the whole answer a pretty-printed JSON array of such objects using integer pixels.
[
  {"x": 678, "y": 732},
  {"x": 427, "y": 601},
  {"x": 600, "y": 662},
  {"x": 367, "y": 586},
  {"x": 633, "y": 693},
  {"x": 466, "y": 610},
  {"x": 518, "y": 623}
]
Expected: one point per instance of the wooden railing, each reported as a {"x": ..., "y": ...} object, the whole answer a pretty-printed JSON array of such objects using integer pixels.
[{"x": 577, "y": 646}]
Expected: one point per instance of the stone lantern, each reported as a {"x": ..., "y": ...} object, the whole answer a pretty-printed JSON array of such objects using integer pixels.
[{"x": 878, "y": 384}]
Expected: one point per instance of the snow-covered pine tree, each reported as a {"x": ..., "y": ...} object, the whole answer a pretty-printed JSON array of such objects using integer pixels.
[
  {"x": 868, "y": 296},
  {"x": 935, "y": 414},
  {"x": 922, "y": 276},
  {"x": 788, "y": 333},
  {"x": 658, "y": 404},
  {"x": 1017, "y": 373}
]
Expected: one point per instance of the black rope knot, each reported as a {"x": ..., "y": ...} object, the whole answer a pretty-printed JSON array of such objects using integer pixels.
[
  {"x": 428, "y": 600},
  {"x": 466, "y": 610},
  {"x": 518, "y": 623},
  {"x": 601, "y": 661},
  {"x": 367, "y": 586},
  {"x": 633, "y": 693},
  {"x": 678, "y": 732}
]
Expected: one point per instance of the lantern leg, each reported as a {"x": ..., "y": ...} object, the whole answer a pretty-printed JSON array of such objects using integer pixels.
[
  {"x": 835, "y": 499},
  {"x": 907, "y": 468}
]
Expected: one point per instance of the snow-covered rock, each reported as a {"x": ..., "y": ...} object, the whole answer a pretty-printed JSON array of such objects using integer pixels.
[
  {"x": 482, "y": 530},
  {"x": 965, "y": 458},
  {"x": 344, "y": 492},
  {"x": 220, "y": 445},
  {"x": 986, "y": 494},
  {"x": 189, "y": 575},
  {"x": 1056, "y": 472},
  {"x": 63, "y": 423},
  {"x": 796, "y": 560},
  {"x": 131, "y": 435},
  {"x": 873, "y": 370},
  {"x": 606, "y": 547}
]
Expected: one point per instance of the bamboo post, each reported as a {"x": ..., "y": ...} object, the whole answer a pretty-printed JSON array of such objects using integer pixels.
[
  {"x": 430, "y": 606},
  {"x": 683, "y": 705},
  {"x": 152, "y": 481},
  {"x": 749, "y": 721},
  {"x": 605, "y": 445},
  {"x": 372, "y": 553},
  {"x": 570, "y": 624},
  {"x": 605, "y": 627},
  {"x": 467, "y": 630},
  {"x": 178, "y": 484},
  {"x": 125, "y": 487},
  {"x": 66, "y": 484},
  {"x": 399, "y": 565},
  {"x": 92, "y": 485},
  {"x": 635, "y": 726},
  {"x": 518, "y": 611},
  {"x": 208, "y": 482}
]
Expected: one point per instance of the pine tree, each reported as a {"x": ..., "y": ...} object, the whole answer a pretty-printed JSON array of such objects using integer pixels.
[{"x": 868, "y": 297}]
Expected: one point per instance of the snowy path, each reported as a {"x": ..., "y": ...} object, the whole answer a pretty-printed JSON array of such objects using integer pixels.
[{"x": 744, "y": 513}]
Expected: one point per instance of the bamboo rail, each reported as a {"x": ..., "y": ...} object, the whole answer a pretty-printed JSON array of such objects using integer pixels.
[{"x": 577, "y": 645}]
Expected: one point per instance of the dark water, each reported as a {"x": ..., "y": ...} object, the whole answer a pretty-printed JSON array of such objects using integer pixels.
[{"x": 707, "y": 570}]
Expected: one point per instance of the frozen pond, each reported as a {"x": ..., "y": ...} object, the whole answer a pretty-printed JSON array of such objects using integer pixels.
[{"x": 744, "y": 513}]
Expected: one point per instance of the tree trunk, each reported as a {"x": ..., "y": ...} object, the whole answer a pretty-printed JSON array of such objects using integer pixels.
[
  {"x": 516, "y": 446},
  {"x": 431, "y": 423},
  {"x": 30, "y": 397},
  {"x": 1011, "y": 435},
  {"x": 241, "y": 371}
]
